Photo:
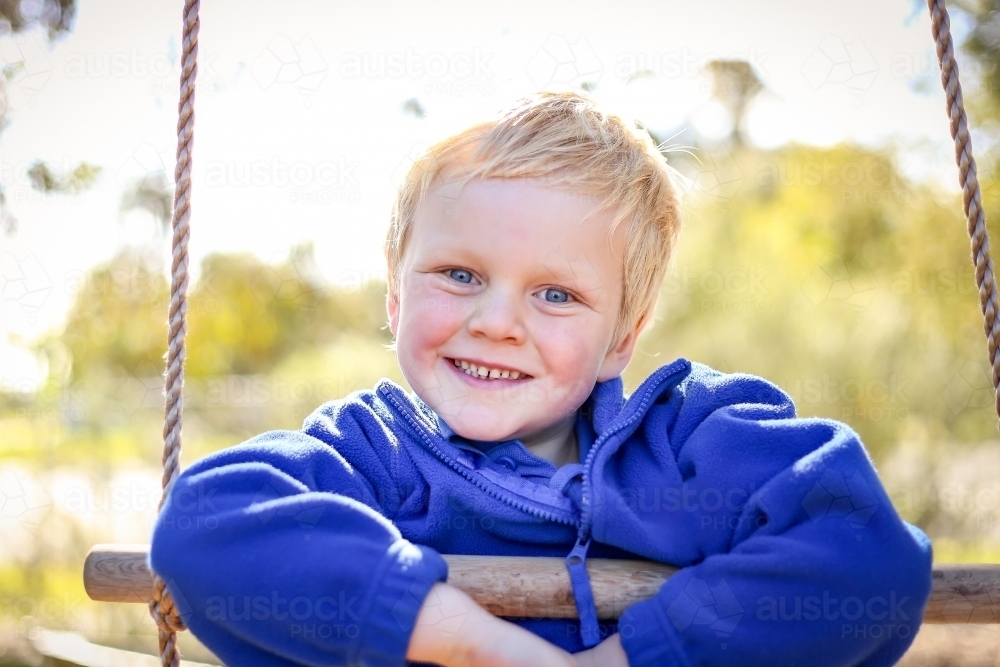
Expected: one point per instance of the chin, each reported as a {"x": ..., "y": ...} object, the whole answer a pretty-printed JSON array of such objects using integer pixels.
[{"x": 474, "y": 429}]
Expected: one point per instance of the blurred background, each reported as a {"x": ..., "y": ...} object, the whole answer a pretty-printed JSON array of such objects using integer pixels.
[{"x": 824, "y": 249}]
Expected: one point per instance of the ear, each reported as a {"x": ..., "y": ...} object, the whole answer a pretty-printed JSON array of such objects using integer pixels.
[
  {"x": 392, "y": 308},
  {"x": 618, "y": 357}
]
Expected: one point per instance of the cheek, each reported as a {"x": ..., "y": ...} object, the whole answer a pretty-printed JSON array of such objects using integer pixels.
[
  {"x": 428, "y": 321},
  {"x": 570, "y": 353}
]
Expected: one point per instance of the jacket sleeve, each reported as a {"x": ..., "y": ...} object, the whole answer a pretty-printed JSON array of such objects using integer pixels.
[
  {"x": 792, "y": 551},
  {"x": 278, "y": 551}
]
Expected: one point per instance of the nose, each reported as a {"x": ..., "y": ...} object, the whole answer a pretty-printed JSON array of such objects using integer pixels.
[{"x": 497, "y": 317}]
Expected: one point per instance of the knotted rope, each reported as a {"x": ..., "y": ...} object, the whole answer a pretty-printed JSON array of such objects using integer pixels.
[
  {"x": 161, "y": 606},
  {"x": 989, "y": 302}
]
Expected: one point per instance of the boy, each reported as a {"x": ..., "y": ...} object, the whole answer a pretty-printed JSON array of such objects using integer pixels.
[{"x": 525, "y": 256}]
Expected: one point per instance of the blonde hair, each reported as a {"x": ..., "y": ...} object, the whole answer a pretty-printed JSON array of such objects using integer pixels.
[{"x": 566, "y": 139}]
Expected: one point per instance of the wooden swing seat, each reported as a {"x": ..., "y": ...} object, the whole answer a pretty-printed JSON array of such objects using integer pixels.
[{"x": 522, "y": 586}]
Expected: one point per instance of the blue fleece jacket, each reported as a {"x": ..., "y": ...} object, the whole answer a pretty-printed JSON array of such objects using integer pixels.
[{"x": 319, "y": 546}]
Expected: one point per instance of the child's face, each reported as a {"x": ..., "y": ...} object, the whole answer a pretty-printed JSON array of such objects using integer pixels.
[{"x": 508, "y": 275}]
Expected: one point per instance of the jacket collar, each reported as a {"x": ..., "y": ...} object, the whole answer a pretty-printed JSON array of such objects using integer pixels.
[
  {"x": 600, "y": 408},
  {"x": 599, "y": 411}
]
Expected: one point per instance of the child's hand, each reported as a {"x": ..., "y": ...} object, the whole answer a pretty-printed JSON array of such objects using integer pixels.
[
  {"x": 608, "y": 653},
  {"x": 454, "y": 631}
]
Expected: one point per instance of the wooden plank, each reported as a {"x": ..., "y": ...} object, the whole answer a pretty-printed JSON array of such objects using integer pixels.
[
  {"x": 965, "y": 594},
  {"x": 540, "y": 588},
  {"x": 118, "y": 573}
]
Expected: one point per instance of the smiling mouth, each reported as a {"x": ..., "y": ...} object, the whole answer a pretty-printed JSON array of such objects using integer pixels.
[{"x": 488, "y": 372}]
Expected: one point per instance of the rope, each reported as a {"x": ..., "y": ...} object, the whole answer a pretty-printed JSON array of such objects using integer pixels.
[
  {"x": 161, "y": 606},
  {"x": 989, "y": 302}
]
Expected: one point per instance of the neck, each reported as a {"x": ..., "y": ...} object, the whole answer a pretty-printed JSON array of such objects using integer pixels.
[{"x": 556, "y": 444}]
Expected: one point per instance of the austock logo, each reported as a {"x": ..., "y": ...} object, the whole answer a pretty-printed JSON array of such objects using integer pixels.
[
  {"x": 719, "y": 175},
  {"x": 25, "y": 62},
  {"x": 971, "y": 388},
  {"x": 283, "y": 61},
  {"x": 701, "y": 604},
  {"x": 841, "y": 497},
  {"x": 835, "y": 62},
  {"x": 561, "y": 62},
  {"x": 142, "y": 388},
  {"x": 680, "y": 64},
  {"x": 880, "y": 616},
  {"x": 23, "y": 498},
  {"x": 835, "y": 280},
  {"x": 146, "y": 168},
  {"x": 306, "y": 514},
  {"x": 24, "y": 281}
]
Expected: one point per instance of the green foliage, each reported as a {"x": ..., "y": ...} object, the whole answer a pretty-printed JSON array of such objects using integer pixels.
[
  {"x": 823, "y": 270},
  {"x": 244, "y": 316},
  {"x": 983, "y": 44},
  {"x": 44, "y": 179},
  {"x": 830, "y": 274},
  {"x": 117, "y": 320},
  {"x": 247, "y": 316}
]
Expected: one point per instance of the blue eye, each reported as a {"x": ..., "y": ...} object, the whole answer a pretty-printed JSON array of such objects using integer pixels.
[
  {"x": 460, "y": 275},
  {"x": 553, "y": 295}
]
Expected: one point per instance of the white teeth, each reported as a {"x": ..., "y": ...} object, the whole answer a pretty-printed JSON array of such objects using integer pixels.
[{"x": 484, "y": 372}]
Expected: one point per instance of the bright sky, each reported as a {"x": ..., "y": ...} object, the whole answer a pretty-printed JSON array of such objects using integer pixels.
[{"x": 301, "y": 132}]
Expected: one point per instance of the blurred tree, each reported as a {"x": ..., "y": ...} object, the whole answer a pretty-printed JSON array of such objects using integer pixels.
[
  {"x": 154, "y": 195},
  {"x": 413, "y": 107},
  {"x": 244, "y": 316},
  {"x": 983, "y": 43},
  {"x": 735, "y": 84},
  {"x": 44, "y": 179},
  {"x": 55, "y": 18},
  {"x": 828, "y": 272},
  {"x": 117, "y": 320}
]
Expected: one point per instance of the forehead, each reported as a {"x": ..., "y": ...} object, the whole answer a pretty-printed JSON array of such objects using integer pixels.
[{"x": 524, "y": 221}]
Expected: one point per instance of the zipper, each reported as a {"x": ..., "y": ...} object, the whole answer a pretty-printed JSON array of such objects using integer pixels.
[
  {"x": 484, "y": 485},
  {"x": 576, "y": 560},
  {"x": 635, "y": 411},
  {"x": 583, "y": 594}
]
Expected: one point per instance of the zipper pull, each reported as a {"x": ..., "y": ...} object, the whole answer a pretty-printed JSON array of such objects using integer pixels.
[{"x": 576, "y": 563}]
